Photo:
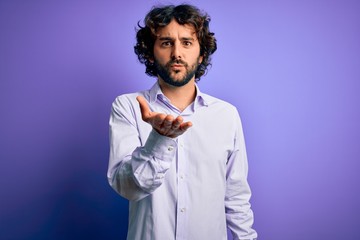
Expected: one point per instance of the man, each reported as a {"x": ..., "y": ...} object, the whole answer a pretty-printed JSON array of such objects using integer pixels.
[{"x": 177, "y": 154}]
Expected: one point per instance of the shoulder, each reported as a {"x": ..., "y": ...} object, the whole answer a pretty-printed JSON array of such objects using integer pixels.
[
  {"x": 127, "y": 98},
  {"x": 127, "y": 102},
  {"x": 217, "y": 103},
  {"x": 223, "y": 111},
  {"x": 124, "y": 100}
]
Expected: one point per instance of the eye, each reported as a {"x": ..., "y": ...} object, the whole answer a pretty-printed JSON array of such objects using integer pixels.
[
  {"x": 166, "y": 44},
  {"x": 187, "y": 43}
]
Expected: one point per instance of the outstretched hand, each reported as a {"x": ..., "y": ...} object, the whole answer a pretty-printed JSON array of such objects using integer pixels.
[{"x": 164, "y": 124}]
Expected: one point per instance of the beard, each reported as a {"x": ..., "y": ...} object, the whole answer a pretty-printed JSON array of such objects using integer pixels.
[{"x": 164, "y": 72}]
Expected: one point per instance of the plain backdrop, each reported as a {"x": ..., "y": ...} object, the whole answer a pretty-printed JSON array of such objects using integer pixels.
[{"x": 292, "y": 68}]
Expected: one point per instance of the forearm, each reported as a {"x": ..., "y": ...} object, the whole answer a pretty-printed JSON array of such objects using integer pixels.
[
  {"x": 239, "y": 215},
  {"x": 142, "y": 172}
]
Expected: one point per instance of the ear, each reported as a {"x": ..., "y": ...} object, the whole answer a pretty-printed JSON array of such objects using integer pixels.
[{"x": 201, "y": 58}]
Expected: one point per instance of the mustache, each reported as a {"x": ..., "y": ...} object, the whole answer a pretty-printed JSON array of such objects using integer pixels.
[{"x": 176, "y": 61}]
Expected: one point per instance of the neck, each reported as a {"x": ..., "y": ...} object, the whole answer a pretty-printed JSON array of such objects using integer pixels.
[{"x": 180, "y": 97}]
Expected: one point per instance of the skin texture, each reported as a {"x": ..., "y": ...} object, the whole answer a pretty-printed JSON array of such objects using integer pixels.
[{"x": 177, "y": 51}]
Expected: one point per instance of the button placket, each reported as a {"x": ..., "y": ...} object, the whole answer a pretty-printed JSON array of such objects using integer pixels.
[{"x": 182, "y": 191}]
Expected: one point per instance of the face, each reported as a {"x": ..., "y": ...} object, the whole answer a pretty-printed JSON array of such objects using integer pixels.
[{"x": 177, "y": 54}]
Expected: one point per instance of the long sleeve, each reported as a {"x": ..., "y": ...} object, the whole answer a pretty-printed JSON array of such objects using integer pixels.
[
  {"x": 239, "y": 215},
  {"x": 191, "y": 187},
  {"x": 136, "y": 169}
]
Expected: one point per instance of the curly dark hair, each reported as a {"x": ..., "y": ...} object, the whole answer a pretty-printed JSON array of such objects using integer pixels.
[{"x": 183, "y": 14}]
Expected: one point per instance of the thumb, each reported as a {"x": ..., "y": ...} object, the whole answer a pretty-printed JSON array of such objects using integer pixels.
[{"x": 144, "y": 108}]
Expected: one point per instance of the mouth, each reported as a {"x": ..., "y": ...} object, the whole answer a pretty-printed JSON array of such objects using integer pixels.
[
  {"x": 177, "y": 65},
  {"x": 177, "y": 68}
]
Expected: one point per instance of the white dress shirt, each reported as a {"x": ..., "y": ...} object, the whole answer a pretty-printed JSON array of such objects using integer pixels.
[{"x": 191, "y": 187}]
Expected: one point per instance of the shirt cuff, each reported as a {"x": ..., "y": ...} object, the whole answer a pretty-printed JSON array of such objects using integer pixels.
[{"x": 160, "y": 146}]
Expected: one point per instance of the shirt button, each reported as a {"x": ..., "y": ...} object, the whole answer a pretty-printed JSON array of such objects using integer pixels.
[
  {"x": 170, "y": 148},
  {"x": 183, "y": 210},
  {"x": 182, "y": 176}
]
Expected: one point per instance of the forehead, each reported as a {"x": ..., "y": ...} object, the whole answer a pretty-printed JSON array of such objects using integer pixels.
[{"x": 174, "y": 29}]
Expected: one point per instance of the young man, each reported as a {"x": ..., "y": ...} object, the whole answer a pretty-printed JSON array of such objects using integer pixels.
[{"x": 177, "y": 154}]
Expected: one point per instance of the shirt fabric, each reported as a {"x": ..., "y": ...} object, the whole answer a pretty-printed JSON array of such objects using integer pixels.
[{"x": 192, "y": 187}]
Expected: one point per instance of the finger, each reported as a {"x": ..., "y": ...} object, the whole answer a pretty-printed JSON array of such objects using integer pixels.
[
  {"x": 185, "y": 126},
  {"x": 158, "y": 120},
  {"x": 177, "y": 122},
  {"x": 168, "y": 121},
  {"x": 144, "y": 108},
  {"x": 182, "y": 128}
]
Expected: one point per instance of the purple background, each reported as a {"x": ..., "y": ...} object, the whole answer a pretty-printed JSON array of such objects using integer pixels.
[{"x": 291, "y": 67}]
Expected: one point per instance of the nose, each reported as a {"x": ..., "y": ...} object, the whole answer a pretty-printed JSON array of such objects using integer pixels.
[{"x": 176, "y": 51}]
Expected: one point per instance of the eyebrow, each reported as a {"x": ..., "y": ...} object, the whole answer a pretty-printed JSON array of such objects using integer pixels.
[
  {"x": 165, "y": 38},
  {"x": 171, "y": 39}
]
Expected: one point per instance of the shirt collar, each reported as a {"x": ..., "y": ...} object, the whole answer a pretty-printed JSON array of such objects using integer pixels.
[
  {"x": 155, "y": 91},
  {"x": 200, "y": 99}
]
